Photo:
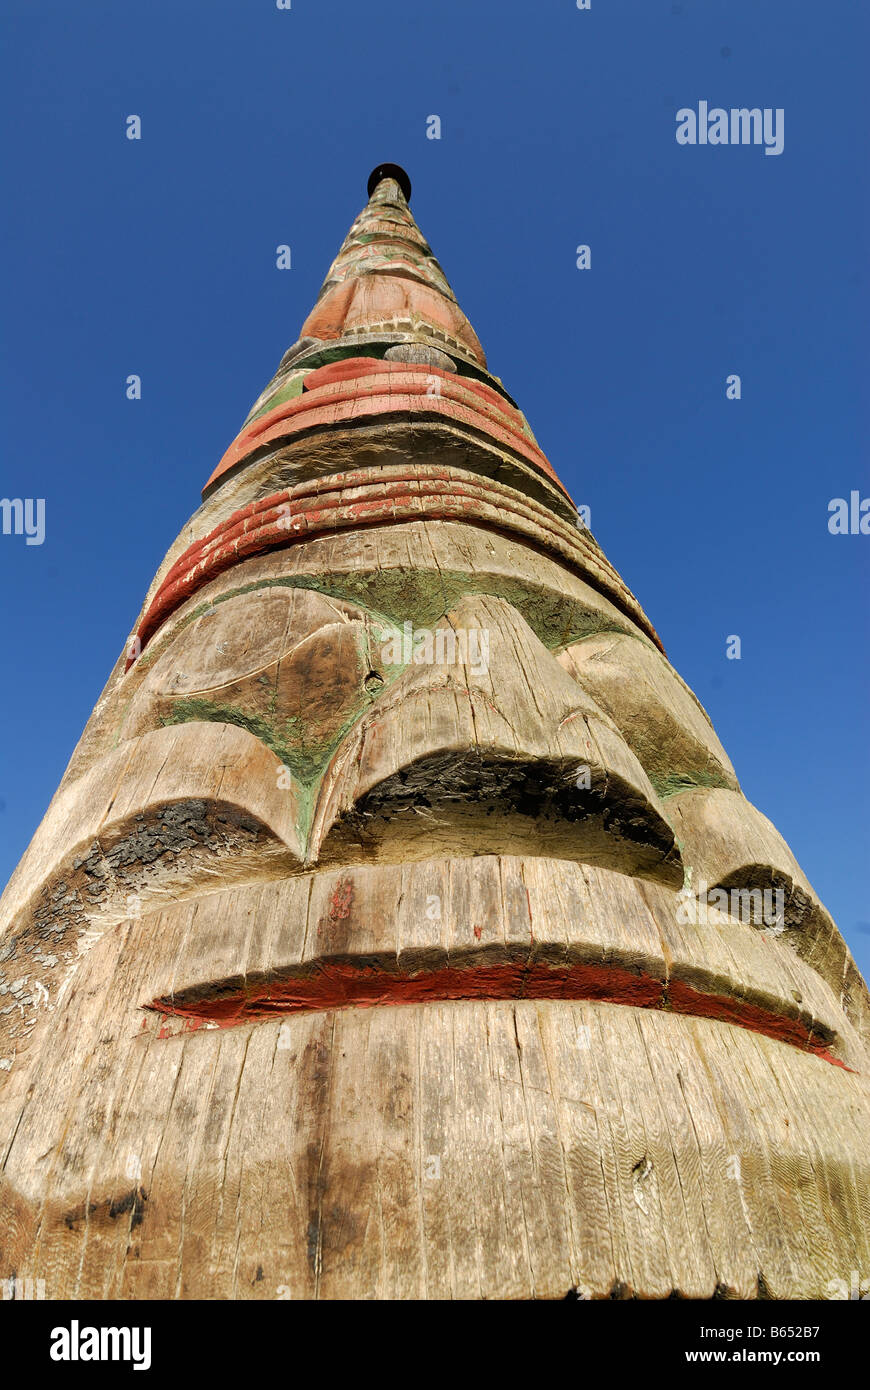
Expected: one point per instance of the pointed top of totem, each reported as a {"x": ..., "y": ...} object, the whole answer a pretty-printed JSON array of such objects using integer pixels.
[
  {"x": 385, "y": 289},
  {"x": 387, "y": 338},
  {"x": 394, "y": 172}
]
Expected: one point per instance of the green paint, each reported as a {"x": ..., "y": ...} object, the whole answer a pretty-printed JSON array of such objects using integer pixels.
[
  {"x": 341, "y": 352},
  {"x": 673, "y": 783},
  {"x": 185, "y": 711},
  {"x": 291, "y": 739},
  {"x": 288, "y": 392},
  {"x": 389, "y": 598},
  {"x": 421, "y": 597}
]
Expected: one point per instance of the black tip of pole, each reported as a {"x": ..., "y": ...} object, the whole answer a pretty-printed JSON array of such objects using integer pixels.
[{"x": 390, "y": 171}]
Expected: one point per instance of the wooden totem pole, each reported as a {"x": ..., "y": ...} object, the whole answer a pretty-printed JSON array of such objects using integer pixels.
[{"x": 399, "y": 928}]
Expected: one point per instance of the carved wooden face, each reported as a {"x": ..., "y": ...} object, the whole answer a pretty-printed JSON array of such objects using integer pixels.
[
  {"x": 399, "y": 928},
  {"x": 372, "y": 883}
]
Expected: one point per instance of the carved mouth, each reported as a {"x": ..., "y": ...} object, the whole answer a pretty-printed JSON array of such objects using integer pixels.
[{"x": 376, "y": 981}]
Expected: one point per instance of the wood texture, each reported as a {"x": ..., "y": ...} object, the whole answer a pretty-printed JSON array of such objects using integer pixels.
[{"x": 385, "y": 937}]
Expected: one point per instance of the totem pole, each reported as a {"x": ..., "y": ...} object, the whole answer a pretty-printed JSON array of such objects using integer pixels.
[{"x": 399, "y": 928}]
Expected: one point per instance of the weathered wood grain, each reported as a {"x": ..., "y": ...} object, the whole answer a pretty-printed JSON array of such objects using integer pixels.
[{"x": 351, "y": 960}]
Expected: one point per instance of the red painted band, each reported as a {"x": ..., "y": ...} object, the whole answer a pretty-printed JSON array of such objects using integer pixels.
[
  {"x": 402, "y": 389},
  {"x": 345, "y": 501},
  {"x": 342, "y": 985},
  {"x": 324, "y": 494},
  {"x": 354, "y": 368}
]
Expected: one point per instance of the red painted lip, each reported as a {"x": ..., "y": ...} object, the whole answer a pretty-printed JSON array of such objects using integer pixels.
[{"x": 342, "y": 985}]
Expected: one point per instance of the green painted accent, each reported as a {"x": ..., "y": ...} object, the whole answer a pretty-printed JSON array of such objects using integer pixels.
[
  {"x": 323, "y": 356},
  {"x": 290, "y": 740},
  {"x": 210, "y": 711},
  {"x": 672, "y": 783},
  {"x": 421, "y": 597},
  {"x": 149, "y": 656},
  {"x": 527, "y": 431},
  {"x": 390, "y": 598},
  {"x": 291, "y": 388}
]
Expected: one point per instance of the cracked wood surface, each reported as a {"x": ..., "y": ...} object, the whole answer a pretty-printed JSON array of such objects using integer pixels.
[
  {"x": 334, "y": 971},
  {"x": 490, "y": 1148}
]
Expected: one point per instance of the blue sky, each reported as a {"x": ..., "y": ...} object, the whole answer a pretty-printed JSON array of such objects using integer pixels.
[{"x": 260, "y": 126}]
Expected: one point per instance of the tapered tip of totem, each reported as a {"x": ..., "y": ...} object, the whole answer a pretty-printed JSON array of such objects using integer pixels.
[{"x": 390, "y": 171}]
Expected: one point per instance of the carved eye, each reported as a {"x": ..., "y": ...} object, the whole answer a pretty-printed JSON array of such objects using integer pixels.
[{"x": 293, "y": 666}]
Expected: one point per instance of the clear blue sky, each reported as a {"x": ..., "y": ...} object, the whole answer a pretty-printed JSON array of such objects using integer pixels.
[{"x": 260, "y": 126}]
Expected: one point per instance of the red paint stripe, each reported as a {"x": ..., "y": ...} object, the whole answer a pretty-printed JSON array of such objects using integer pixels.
[
  {"x": 342, "y": 985},
  {"x": 355, "y": 368},
  {"x": 369, "y": 397},
  {"x": 386, "y": 481},
  {"x": 353, "y": 379},
  {"x": 311, "y": 507},
  {"x": 344, "y": 370},
  {"x": 346, "y": 500}
]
